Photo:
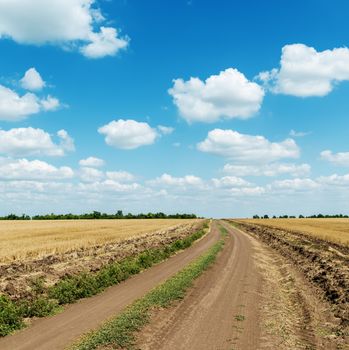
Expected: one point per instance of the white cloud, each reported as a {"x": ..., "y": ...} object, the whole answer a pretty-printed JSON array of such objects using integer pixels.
[
  {"x": 165, "y": 130},
  {"x": 30, "y": 141},
  {"x": 67, "y": 23},
  {"x": 50, "y": 103},
  {"x": 120, "y": 176},
  {"x": 230, "y": 181},
  {"x": 14, "y": 107},
  {"x": 274, "y": 169},
  {"x": 32, "y": 80},
  {"x": 295, "y": 185},
  {"x": 248, "y": 191},
  {"x": 294, "y": 133},
  {"x": 334, "y": 180},
  {"x": 340, "y": 158},
  {"x": 24, "y": 169},
  {"x": 169, "y": 180},
  {"x": 306, "y": 72},
  {"x": 104, "y": 43},
  {"x": 90, "y": 174},
  {"x": 92, "y": 162},
  {"x": 109, "y": 186},
  {"x": 128, "y": 134},
  {"x": 226, "y": 95},
  {"x": 246, "y": 148}
]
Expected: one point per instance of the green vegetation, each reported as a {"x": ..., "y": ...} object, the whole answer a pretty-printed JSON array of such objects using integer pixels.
[
  {"x": 120, "y": 330},
  {"x": 318, "y": 216},
  {"x": 45, "y": 301},
  {"x": 98, "y": 215}
]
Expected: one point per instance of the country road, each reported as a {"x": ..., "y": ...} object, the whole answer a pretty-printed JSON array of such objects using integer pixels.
[
  {"x": 250, "y": 299},
  {"x": 247, "y": 301},
  {"x": 57, "y": 332}
]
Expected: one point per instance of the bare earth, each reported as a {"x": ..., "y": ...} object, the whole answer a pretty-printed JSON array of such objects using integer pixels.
[
  {"x": 250, "y": 299},
  {"x": 59, "y": 331}
]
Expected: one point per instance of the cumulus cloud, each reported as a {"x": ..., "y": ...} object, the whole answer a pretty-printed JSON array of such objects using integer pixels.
[
  {"x": 24, "y": 169},
  {"x": 67, "y": 23},
  {"x": 120, "y": 176},
  {"x": 340, "y": 158},
  {"x": 50, "y": 103},
  {"x": 90, "y": 174},
  {"x": 226, "y": 95},
  {"x": 230, "y": 181},
  {"x": 244, "y": 148},
  {"x": 128, "y": 134},
  {"x": 32, "y": 80},
  {"x": 274, "y": 169},
  {"x": 14, "y": 107},
  {"x": 334, "y": 180},
  {"x": 169, "y": 180},
  {"x": 30, "y": 141},
  {"x": 92, "y": 162},
  {"x": 305, "y": 72},
  {"x": 295, "y": 185}
]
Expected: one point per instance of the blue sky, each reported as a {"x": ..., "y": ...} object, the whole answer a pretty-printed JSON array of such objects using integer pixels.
[{"x": 224, "y": 108}]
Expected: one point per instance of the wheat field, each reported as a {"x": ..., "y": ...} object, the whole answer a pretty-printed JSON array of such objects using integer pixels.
[
  {"x": 34, "y": 239},
  {"x": 333, "y": 230}
]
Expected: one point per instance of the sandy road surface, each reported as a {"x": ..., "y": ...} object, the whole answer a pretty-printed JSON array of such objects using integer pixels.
[
  {"x": 59, "y": 331},
  {"x": 247, "y": 301}
]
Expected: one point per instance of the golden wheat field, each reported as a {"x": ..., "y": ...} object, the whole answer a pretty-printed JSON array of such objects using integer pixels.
[
  {"x": 31, "y": 239},
  {"x": 334, "y": 230}
]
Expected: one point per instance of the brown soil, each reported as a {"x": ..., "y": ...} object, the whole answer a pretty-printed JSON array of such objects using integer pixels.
[
  {"x": 15, "y": 277},
  {"x": 59, "y": 331},
  {"x": 252, "y": 298},
  {"x": 325, "y": 265}
]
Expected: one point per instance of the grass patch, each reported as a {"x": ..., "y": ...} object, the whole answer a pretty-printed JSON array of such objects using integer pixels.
[
  {"x": 120, "y": 331},
  {"x": 46, "y": 301}
]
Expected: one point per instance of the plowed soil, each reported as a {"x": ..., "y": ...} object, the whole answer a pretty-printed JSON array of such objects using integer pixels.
[{"x": 252, "y": 298}]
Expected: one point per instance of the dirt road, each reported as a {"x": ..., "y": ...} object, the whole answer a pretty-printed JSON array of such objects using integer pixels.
[
  {"x": 250, "y": 299},
  {"x": 57, "y": 332}
]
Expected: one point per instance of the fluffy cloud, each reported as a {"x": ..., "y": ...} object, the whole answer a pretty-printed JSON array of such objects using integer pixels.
[
  {"x": 14, "y": 107},
  {"x": 273, "y": 169},
  {"x": 92, "y": 162},
  {"x": 23, "y": 169},
  {"x": 50, "y": 103},
  {"x": 247, "y": 148},
  {"x": 334, "y": 180},
  {"x": 32, "y": 80},
  {"x": 226, "y": 95},
  {"x": 30, "y": 141},
  {"x": 230, "y": 181},
  {"x": 306, "y": 72},
  {"x": 120, "y": 176},
  {"x": 128, "y": 134},
  {"x": 90, "y": 174},
  {"x": 340, "y": 158},
  {"x": 295, "y": 185},
  {"x": 67, "y": 23},
  {"x": 169, "y": 180},
  {"x": 294, "y": 133}
]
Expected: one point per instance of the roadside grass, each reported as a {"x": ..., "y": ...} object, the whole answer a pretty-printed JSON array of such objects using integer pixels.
[
  {"x": 47, "y": 301},
  {"x": 120, "y": 331}
]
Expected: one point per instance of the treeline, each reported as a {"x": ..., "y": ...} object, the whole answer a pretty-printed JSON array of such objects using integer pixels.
[
  {"x": 318, "y": 216},
  {"x": 98, "y": 215}
]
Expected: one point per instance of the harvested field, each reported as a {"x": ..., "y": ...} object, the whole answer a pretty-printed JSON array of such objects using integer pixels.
[
  {"x": 332, "y": 230},
  {"x": 107, "y": 241},
  {"x": 34, "y": 239}
]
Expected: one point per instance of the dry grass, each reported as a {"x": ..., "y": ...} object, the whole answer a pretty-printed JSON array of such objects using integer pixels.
[
  {"x": 333, "y": 230},
  {"x": 33, "y": 239}
]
